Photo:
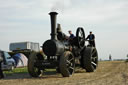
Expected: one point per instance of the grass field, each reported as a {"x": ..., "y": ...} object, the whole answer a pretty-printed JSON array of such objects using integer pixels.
[
  {"x": 16, "y": 70},
  {"x": 107, "y": 73}
]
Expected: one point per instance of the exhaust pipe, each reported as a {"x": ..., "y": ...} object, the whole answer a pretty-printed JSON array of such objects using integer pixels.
[{"x": 53, "y": 25}]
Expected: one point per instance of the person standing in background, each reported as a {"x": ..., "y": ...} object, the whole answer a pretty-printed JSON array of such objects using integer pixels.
[{"x": 91, "y": 38}]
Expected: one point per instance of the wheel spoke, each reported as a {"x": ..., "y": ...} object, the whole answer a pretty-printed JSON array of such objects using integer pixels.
[
  {"x": 93, "y": 63},
  {"x": 68, "y": 62},
  {"x": 94, "y": 51},
  {"x": 71, "y": 59},
  {"x": 71, "y": 68},
  {"x": 94, "y": 58},
  {"x": 81, "y": 32}
]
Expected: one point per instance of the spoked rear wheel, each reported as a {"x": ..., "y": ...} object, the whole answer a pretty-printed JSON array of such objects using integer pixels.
[
  {"x": 32, "y": 69},
  {"x": 67, "y": 64},
  {"x": 90, "y": 59}
]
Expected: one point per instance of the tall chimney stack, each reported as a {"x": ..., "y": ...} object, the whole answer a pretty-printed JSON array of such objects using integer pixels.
[{"x": 53, "y": 25}]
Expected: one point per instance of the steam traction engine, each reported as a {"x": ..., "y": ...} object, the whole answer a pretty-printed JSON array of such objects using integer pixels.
[{"x": 62, "y": 54}]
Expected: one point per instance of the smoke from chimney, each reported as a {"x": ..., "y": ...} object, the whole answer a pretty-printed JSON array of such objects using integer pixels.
[{"x": 60, "y": 5}]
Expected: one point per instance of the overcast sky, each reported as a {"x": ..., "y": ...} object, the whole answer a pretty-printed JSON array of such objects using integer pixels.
[{"x": 28, "y": 20}]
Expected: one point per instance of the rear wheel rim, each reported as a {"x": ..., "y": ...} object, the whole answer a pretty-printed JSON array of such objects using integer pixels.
[{"x": 94, "y": 58}]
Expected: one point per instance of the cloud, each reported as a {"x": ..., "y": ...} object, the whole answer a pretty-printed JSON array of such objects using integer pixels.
[{"x": 96, "y": 13}]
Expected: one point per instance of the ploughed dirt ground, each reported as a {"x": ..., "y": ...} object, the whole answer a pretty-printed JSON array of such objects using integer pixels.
[{"x": 107, "y": 73}]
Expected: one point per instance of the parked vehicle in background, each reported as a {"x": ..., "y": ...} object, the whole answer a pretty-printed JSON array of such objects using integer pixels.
[
  {"x": 8, "y": 62},
  {"x": 24, "y": 46}
]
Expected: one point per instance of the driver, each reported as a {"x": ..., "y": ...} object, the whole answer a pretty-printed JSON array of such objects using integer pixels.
[
  {"x": 91, "y": 38},
  {"x": 62, "y": 37},
  {"x": 71, "y": 35}
]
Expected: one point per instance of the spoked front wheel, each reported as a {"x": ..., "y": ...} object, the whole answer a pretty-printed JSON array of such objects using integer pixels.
[
  {"x": 32, "y": 69},
  {"x": 67, "y": 64}
]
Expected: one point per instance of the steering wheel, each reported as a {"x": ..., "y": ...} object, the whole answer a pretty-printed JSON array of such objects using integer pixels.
[{"x": 80, "y": 35}]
